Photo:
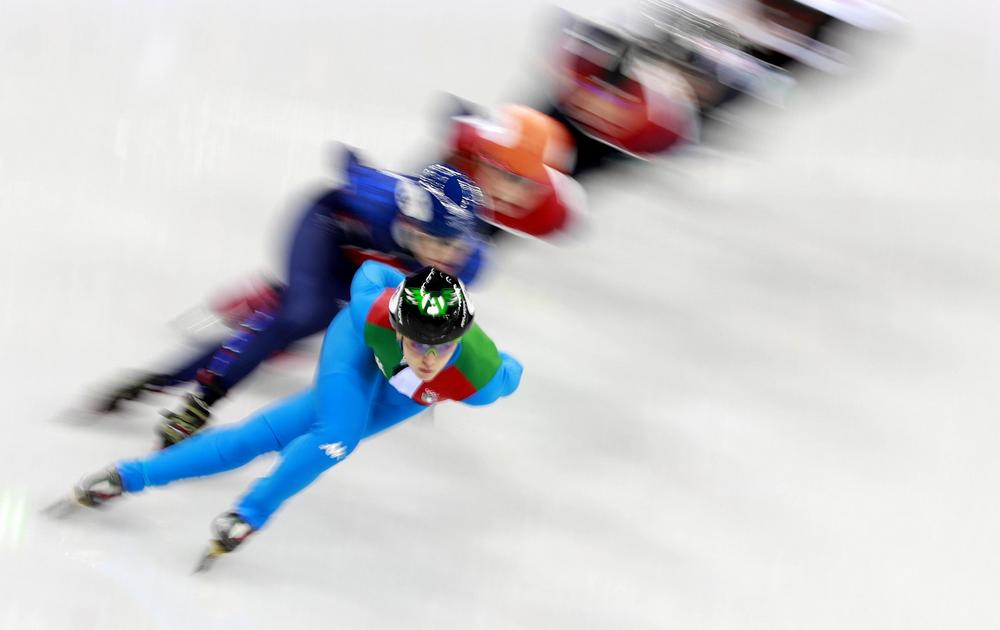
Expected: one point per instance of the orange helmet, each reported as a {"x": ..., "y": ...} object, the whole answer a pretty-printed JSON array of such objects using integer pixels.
[{"x": 524, "y": 141}]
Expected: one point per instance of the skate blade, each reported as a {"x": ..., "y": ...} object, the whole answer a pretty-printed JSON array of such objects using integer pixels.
[
  {"x": 211, "y": 554},
  {"x": 62, "y": 508}
]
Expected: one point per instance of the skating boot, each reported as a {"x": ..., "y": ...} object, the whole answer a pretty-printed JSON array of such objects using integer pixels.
[
  {"x": 97, "y": 489},
  {"x": 130, "y": 389},
  {"x": 92, "y": 491},
  {"x": 190, "y": 418},
  {"x": 230, "y": 531}
]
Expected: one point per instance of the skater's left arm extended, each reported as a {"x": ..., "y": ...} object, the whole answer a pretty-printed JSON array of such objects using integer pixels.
[{"x": 504, "y": 383}]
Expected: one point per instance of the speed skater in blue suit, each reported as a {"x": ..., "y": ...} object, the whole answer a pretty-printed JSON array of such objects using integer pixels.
[{"x": 403, "y": 344}]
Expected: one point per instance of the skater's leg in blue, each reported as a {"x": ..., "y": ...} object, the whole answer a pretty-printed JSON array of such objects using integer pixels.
[
  {"x": 347, "y": 384},
  {"x": 326, "y": 443},
  {"x": 224, "y": 448},
  {"x": 318, "y": 279}
]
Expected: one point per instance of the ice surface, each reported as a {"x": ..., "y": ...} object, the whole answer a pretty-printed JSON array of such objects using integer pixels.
[{"x": 760, "y": 394}]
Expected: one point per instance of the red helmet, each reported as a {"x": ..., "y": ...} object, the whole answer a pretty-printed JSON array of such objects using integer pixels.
[{"x": 618, "y": 97}]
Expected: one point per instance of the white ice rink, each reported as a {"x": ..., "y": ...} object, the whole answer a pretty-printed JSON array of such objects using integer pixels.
[{"x": 760, "y": 394}]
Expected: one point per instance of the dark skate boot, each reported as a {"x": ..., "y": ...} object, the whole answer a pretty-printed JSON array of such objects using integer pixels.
[
  {"x": 130, "y": 389},
  {"x": 193, "y": 415},
  {"x": 190, "y": 418}
]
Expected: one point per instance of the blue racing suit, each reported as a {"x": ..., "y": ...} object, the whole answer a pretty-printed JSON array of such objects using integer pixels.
[{"x": 351, "y": 399}]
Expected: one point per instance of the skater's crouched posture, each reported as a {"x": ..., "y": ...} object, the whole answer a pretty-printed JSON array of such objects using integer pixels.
[
  {"x": 402, "y": 345},
  {"x": 408, "y": 222}
]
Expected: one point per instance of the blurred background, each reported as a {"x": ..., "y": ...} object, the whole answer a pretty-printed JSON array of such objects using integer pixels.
[{"x": 759, "y": 386}]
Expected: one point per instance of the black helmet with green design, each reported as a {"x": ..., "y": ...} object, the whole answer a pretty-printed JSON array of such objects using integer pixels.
[{"x": 431, "y": 307}]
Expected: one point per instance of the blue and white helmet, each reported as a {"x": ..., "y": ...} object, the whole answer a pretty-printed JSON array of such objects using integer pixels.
[{"x": 441, "y": 202}]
